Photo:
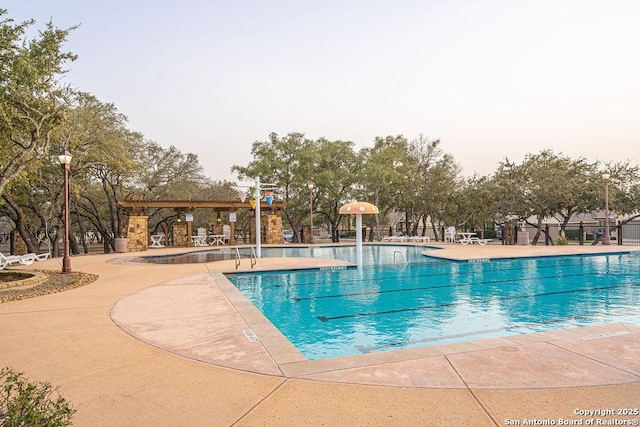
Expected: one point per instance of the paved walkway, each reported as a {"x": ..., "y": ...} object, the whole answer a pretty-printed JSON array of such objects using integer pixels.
[{"x": 163, "y": 345}]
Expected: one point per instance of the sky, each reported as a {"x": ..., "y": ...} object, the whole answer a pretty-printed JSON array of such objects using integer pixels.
[{"x": 490, "y": 79}]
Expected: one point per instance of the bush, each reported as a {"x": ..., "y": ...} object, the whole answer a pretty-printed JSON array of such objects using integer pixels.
[
  {"x": 572, "y": 234},
  {"x": 31, "y": 404},
  {"x": 490, "y": 234}
]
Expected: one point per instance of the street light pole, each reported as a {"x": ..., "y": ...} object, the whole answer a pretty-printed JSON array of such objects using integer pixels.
[
  {"x": 310, "y": 185},
  {"x": 607, "y": 238},
  {"x": 65, "y": 161}
]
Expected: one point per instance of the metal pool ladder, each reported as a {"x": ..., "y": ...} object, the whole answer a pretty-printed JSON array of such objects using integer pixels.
[
  {"x": 253, "y": 258},
  {"x": 237, "y": 258},
  {"x": 401, "y": 255}
]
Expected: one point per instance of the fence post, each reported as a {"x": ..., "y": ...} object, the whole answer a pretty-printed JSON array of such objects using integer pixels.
[
  {"x": 619, "y": 237},
  {"x": 581, "y": 234}
]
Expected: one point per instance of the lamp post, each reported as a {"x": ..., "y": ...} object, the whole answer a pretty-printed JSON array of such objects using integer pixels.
[
  {"x": 310, "y": 185},
  {"x": 65, "y": 161},
  {"x": 607, "y": 239}
]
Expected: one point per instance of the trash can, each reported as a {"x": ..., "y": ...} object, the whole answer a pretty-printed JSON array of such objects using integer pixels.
[{"x": 121, "y": 245}]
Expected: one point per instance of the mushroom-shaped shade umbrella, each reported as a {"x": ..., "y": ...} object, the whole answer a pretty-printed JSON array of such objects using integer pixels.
[{"x": 358, "y": 209}]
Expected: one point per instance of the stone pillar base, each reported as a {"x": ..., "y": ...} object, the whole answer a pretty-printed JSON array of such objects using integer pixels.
[{"x": 136, "y": 230}]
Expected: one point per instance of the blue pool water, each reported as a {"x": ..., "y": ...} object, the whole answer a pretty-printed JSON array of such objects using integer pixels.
[{"x": 387, "y": 305}]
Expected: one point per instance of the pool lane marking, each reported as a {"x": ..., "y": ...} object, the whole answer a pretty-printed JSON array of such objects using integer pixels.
[
  {"x": 475, "y": 302},
  {"x": 368, "y": 349},
  {"x": 450, "y": 285},
  {"x": 447, "y": 274}
]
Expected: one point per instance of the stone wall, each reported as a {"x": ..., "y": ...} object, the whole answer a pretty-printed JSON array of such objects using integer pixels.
[
  {"x": 136, "y": 231},
  {"x": 179, "y": 231},
  {"x": 275, "y": 233}
]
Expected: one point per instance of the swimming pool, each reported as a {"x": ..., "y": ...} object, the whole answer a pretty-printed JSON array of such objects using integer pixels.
[
  {"x": 387, "y": 305},
  {"x": 374, "y": 254}
]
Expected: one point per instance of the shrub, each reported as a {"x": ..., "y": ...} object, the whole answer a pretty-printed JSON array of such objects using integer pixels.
[
  {"x": 23, "y": 403},
  {"x": 573, "y": 234},
  {"x": 490, "y": 234}
]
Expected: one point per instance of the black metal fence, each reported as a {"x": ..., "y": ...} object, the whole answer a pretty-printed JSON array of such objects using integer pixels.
[{"x": 588, "y": 234}]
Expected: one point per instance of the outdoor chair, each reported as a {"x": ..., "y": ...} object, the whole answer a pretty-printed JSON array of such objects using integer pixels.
[
  {"x": 6, "y": 260},
  {"x": 226, "y": 231},
  {"x": 450, "y": 234},
  {"x": 42, "y": 257},
  {"x": 200, "y": 239}
]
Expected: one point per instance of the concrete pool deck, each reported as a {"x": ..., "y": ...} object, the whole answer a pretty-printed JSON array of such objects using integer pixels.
[{"x": 154, "y": 344}]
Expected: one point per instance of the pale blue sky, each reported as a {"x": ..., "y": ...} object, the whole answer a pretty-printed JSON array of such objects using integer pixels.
[{"x": 489, "y": 78}]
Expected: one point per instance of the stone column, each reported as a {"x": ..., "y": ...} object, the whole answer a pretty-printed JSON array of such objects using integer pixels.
[
  {"x": 136, "y": 230},
  {"x": 275, "y": 233},
  {"x": 179, "y": 234}
]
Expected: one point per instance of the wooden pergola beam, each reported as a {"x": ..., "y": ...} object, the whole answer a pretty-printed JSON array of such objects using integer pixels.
[{"x": 190, "y": 205}]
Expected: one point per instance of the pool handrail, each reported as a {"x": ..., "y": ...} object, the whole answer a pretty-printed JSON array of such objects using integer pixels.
[{"x": 403, "y": 257}]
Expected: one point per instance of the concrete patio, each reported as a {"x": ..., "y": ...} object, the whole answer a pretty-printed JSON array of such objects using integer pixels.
[{"x": 154, "y": 345}]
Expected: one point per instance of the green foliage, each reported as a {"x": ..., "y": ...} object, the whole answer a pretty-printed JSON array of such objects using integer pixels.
[
  {"x": 33, "y": 98},
  {"x": 24, "y": 403},
  {"x": 288, "y": 163},
  {"x": 545, "y": 185}
]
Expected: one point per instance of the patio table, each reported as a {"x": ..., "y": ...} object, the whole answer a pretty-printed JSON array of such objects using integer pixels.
[
  {"x": 466, "y": 238},
  {"x": 217, "y": 239},
  {"x": 156, "y": 241}
]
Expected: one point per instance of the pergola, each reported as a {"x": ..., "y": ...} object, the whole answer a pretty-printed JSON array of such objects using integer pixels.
[{"x": 137, "y": 207}]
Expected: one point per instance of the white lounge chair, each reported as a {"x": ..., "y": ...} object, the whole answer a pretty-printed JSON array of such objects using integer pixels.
[
  {"x": 42, "y": 257},
  {"x": 450, "y": 234},
  {"x": 6, "y": 260}
]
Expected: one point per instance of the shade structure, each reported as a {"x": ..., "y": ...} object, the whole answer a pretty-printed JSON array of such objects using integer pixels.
[
  {"x": 358, "y": 209},
  {"x": 362, "y": 208}
]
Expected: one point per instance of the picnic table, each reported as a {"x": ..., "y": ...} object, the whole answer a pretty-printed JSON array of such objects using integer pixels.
[
  {"x": 217, "y": 239},
  {"x": 156, "y": 241}
]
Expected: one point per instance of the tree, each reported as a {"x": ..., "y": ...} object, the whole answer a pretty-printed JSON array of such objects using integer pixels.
[
  {"x": 440, "y": 180},
  {"x": 288, "y": 164},
  {"x": 387, "y": 176},
  {"x": 335, "y": 173},
  {"x": 624, "y": 189},
  {"x": 545, "y": 185},
  {"x": 33, "y": 100}
]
